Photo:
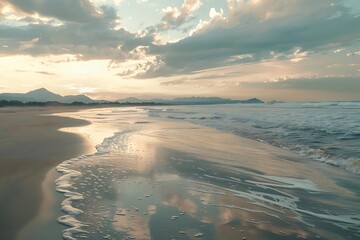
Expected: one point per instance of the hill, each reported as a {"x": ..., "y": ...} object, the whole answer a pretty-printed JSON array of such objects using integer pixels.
[{"x": 44, "y": 95}]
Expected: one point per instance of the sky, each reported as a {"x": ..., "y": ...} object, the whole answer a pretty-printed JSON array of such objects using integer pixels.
[{"x": 289, "y": 50}]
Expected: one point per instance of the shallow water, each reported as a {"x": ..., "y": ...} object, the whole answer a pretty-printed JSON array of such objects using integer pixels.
[
  {"x": 326, "y": 132},
  {"x": 155, "y": 179}
]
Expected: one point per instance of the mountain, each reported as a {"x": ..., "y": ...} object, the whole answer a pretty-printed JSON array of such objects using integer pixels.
[
  {"x": 190, "y": 100},
  {"x": 213, "y": 100},
  {"x": 78, "y": 98},
  {"x": 44, "y": 95}
]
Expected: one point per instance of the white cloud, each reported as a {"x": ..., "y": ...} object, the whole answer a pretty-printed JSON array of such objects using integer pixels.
[
  {"x": 245, "y": 11},
  {"x": 175, "y": 17},
  {"x": 299, "y": 55},
  {"x": 82, "y": 89},
  {"x": 216, "y": 20},
  {"x": 339, "y": 50},
  {"x": 355, "y": 53}
]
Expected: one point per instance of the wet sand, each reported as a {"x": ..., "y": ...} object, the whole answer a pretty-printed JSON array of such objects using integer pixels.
[
  {"x": 30, "y": 145},
  {"x": 154, "y": 178}
]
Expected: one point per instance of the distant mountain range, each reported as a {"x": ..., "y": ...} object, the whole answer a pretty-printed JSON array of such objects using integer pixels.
[
  {"x": 192, "y": 100},
  {"x": 43, "y": 95}
]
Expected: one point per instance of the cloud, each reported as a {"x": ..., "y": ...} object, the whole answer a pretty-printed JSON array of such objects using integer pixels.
[
  {"x": 65, "y": 10},
  {"x": 355, "y": 53},
  {"x": 88, "y": 41},
  {"x": 45, "y": 73},
  {"x": 326, "y": 84},
  {"x": 338, "y": 50},
  {"x": 217, "y": 19},
  {"x": 38, "y": 72},
  {"x": 28, "y": 44},
  {"x": 82, "y": 89},
  {"x": 291, "y": 29},
  {"x": 299, "y": 55},
  {"x": 174, "y": 17},
  {"x": 86, "y": 31},
  {"x": 175, "y": 82},
  {"x": 146, "y": 69},
  {"x": 248, "y": 31}
]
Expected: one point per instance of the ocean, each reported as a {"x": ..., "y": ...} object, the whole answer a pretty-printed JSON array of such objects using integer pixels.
[
  {"x": 237, "y": 171},
  {"x": 327, "y": 132}
]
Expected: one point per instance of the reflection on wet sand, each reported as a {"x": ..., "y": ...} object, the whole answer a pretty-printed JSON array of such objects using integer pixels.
[{"x": 170, "y": 180}]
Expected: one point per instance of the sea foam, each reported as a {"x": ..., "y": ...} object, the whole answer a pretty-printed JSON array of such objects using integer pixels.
[{"x": 64, "y": 185}]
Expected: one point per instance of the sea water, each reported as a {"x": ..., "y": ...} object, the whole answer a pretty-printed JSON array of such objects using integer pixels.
[
  {"x": 132, "y": 189},
  {"x": 327, "y": 132}
]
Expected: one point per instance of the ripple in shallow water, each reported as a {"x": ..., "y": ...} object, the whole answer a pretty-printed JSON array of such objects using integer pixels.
[{"x": 126, "y": 192}]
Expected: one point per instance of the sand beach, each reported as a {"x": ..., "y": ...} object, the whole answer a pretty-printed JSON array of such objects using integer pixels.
[
  {"x": 30, "y": 145},
  {"x": 150, "y": 177},
  {"x": 157, "y": 177}
]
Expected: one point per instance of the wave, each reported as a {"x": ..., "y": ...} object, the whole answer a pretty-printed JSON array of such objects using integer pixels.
[
  {"x": 103, "y": 189},
  {"x": 64, "y": 185},
  {"x": 325, "y": 132}
]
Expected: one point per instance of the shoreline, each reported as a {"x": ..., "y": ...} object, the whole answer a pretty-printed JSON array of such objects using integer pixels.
[
  {"x": 31, "y": 144},
  {"x": 149, "y": 173},
  {"x": 148, "y": 167}
]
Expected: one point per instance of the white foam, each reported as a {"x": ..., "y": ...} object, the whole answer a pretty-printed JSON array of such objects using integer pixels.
[
  {"x": 199, "y": 235},
  {"x": 305, "y": 184},
  {"x": 247, "y": 210},
  {"x": 74, "y": 224},
  {"x": 206, "y": 191},
  {"x": 63, "y": 185},
  {"x": 289, "y": 202}
]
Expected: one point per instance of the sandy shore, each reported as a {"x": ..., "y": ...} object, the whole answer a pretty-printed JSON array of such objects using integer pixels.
[
  {"x": 159, "y": 178},
  {"x": 30, "y": 145},
  {"x": 153, "y": 178}
]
